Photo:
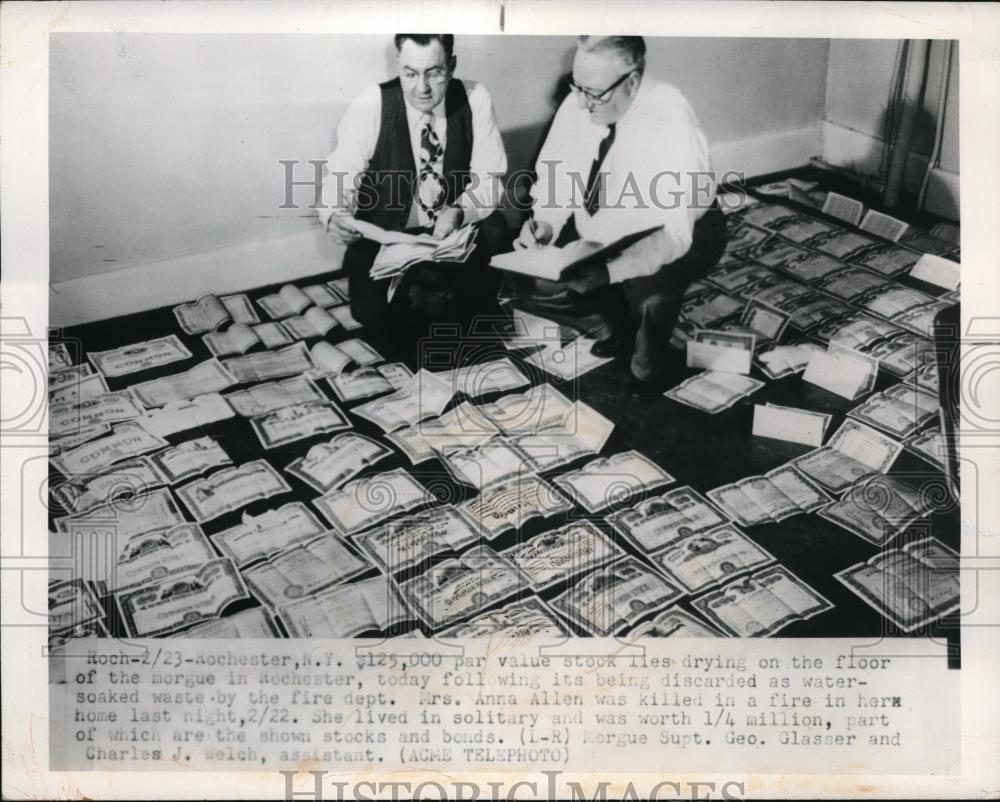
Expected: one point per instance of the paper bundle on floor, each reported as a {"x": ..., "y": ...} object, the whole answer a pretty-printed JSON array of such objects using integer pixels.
[
  {"x": 728, "y": 351},
  {"x": 788, "y": 423}
]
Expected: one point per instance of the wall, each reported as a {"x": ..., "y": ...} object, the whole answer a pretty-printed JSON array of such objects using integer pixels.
[
  {"x": 165, "y": 148},
  {"x": 859, "y": 80}
]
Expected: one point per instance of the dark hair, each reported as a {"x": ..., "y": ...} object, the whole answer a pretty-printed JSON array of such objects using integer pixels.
[
  {"x": 632, "y": 49},
  {"x": 447, "y": 41}
]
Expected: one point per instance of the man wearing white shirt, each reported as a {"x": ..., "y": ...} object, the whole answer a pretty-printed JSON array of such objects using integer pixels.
[
  {"x": 625, "y": 153},
  {"x": 419, "y": 153}
]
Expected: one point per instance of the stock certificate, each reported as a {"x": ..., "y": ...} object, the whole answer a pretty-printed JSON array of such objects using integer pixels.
[
  {"x": 522, "y": 619},
  {"x": 288, "y": 301},
  {"x": 568, "y": 362},
  {"x": 208, "y": 377},
  {"x": 663, "y": 519},
  {"x": 72, "y": 416},
  {"x": 152, "y": 557},
  {"x": 127, "y": 440},
  {"x": 264, "y": 398},
  {"x": 181, "y": 600},
  {"x": 610, "y": 599},
  {"x": 288, "y": 424},
  {"x": 59, "y": 379},
  {"x": 205, "y": 314},
  {"x": 179, "y": 416},
  {"x": 259, "y": 536},
  {"x": 366, "y": 382},
  {"x": 705, "y": 559},
  {"x": 231, "y": 489},
  {"x": 461, "y": 587},
  {"x": 59, "y": 357},
  {"x": 485, "y": 464},
  {"x": 912, "y": 586},
  {"x": 854, "y": 451},
  {"x": 328, "y": 465},
  {"x": 285, "y": 361},
  {"x": 761, "y": 604},
  {"x": 345, "y": 611},
  {"x": 78, "y": 388},
  {"x": 878, "y": 508},
  {"x": 71, "y": 603},
  {"x": 249, "y": 624},
  {"x": 559, "y": 554},
  {"x": 508, "y": 505},
  {"x": 139, "y": 356},
  {"x": 611, "y": 480},
  {"x": 189, "y": 459},
  {"x": 674, "y": 623},
  {"x": 423, "y": 396},
  {"x": 126, "y": 479},
  {"x": 123, "y": 520},
  {"x": 538, "y": 408},
  {"x": 713, "y": 391},
  {"x": 303, "y": 569},
  {"x": 498, "y": 375},
  {"x": 365, "y": 502},
  {"x": 409, "y": 540}
]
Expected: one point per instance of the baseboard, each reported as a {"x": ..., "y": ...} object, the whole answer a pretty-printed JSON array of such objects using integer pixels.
[
  {"x": 304, "y": 253},
  {"x": 944, "y": 194},
  {"x": 172, "y": 281},
  {"x": 767, "y": 153},
  {"x": 862, "y": 153}
]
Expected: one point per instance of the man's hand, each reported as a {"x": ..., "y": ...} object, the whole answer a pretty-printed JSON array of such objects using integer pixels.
[
  {"x": 534, "y": 234},
  {"x": 341, "y": 231},
  {"x": 587, "y": 277},
  {"x": 447, "y": 221}
]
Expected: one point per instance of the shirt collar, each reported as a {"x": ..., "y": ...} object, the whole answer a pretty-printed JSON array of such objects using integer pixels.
[{"x": 414, "y": 116}]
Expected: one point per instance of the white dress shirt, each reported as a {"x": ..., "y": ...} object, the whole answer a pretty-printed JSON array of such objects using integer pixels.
[
  {"x": 657, "y": 172},
  {"x": 357, "y": 134}
]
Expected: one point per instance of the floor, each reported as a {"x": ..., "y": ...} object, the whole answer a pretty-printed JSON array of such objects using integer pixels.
[{"x": 704, "y": 451}]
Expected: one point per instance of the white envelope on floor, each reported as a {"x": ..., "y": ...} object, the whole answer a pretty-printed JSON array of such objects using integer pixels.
[
  {"x": 709, "y": 356},
  {"x": 793, "y": 425}
]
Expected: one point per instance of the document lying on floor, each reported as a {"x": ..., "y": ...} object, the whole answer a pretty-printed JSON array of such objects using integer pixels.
[{"x": 552, "y": 263}]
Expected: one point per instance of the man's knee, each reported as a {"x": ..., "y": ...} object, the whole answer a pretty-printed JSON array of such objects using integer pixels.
[
  {"x": 660, "y": 307},
  {"x": 369, "y": 313},
  {"x": 495, "y": 234}
]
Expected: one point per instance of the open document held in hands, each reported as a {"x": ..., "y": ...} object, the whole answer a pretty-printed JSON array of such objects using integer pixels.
[
  {"x": 400, "y": 250},
  {"x": 553, "y": 263}
]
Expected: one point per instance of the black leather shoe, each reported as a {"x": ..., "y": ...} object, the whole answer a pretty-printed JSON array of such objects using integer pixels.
[
  {"x": 643, "y": 389},
  {"x": 615, "y": 345}
]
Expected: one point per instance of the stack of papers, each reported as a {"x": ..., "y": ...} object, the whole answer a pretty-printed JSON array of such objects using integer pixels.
[{"x": 400, "y": 251}]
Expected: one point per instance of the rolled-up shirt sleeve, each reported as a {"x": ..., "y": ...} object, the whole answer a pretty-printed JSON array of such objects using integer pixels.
[
  {"x": 552, "y": 191},
  {"x": 489, "y": 158},
  {"x": 357, "y": 133}
]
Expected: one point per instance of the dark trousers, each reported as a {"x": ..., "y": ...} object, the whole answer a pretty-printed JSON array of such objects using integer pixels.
[
  {"x": 647, "y": 306},
  {"x": 430, "y": 292},
  {"x": 650, "y": 305}
]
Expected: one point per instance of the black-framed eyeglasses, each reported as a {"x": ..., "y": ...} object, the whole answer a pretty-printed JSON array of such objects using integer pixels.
[{"x": 598, "y": 98}]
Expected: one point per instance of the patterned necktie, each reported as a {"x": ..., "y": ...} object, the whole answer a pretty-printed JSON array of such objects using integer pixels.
[
  {"x": 430, "y": 182},
  {"x": 590, "y": 198}
]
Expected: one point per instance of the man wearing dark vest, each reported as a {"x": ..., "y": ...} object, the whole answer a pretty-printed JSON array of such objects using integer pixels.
[{"x": 420, "y": 153}]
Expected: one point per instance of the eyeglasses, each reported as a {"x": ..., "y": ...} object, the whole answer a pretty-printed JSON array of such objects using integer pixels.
[
  {"x": 598, "y": 98},
  {"x": 435, "y": 75}
]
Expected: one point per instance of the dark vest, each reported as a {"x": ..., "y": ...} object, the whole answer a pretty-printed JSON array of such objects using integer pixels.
[{"x": 385, "y": 192}]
